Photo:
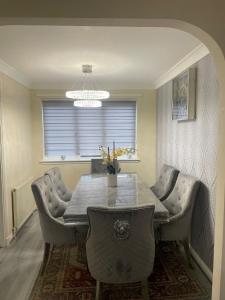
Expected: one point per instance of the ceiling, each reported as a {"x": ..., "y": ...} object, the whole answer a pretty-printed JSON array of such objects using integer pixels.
[{"x": 122, "y": 57}]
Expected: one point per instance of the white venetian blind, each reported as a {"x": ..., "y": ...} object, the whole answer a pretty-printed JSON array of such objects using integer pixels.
[{"x": 71, "y": 131}]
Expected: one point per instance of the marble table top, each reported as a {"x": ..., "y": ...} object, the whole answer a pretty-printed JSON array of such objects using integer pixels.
[{"x": 93, "y": 190}]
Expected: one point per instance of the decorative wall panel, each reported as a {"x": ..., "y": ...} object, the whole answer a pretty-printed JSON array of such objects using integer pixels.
[{"x": 192, "y": 147}]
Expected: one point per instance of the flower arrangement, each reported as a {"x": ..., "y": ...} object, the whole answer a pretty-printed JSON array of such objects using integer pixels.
[{"x": 110, "y": 158}]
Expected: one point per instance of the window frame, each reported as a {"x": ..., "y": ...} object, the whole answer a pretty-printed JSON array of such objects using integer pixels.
[{"x": 85, "y": 159}]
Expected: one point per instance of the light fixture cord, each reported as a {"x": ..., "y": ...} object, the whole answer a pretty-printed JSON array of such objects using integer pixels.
[{"x": 84, "y": 80}]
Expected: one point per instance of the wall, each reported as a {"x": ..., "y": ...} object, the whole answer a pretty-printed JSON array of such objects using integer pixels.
[
  {"x": 192, "y": 148},
  {"x": 73, "y": 170},
  {"x": 16, "y": 142}
]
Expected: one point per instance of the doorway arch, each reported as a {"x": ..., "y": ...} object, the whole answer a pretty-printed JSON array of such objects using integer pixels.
[{"x": 217, "y": 54}]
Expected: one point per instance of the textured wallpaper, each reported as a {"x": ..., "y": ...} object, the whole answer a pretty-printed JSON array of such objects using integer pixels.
[{"x": 191, "y": 147}]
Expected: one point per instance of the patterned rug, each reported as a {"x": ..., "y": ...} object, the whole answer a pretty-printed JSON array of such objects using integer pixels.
[{"x": 66, "y": 278}]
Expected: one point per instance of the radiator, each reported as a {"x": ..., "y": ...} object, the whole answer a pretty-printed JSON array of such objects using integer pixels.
[{"x": 23, "y": 204}]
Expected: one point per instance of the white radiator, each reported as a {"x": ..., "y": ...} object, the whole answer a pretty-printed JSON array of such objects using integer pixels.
[{"x": 23, "y": 204}]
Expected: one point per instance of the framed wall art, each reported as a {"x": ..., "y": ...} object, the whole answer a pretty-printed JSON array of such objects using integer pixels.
[{"x": 183, "y": 100}]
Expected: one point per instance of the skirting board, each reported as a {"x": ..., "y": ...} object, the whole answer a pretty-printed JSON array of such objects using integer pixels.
[
  {"x": 10, "y": 238},
  {"x": 201, "y": 264}
]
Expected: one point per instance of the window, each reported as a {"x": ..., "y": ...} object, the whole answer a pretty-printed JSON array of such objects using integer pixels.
[{"x": 71, "y": 132}]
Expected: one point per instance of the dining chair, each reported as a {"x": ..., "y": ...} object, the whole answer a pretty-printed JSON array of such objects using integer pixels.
[
  {"x": 55, "y": 232},
  {"x": 165, "y": 182},
  {"x": 180, "y": 204},
  {"x": 55, "y": 175},
  {"x": 120, "y": 245},
  {"x": 97, "y": 166}
]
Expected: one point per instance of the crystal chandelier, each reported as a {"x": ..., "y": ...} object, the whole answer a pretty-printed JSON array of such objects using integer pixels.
[{"x": 87, "y": 97}]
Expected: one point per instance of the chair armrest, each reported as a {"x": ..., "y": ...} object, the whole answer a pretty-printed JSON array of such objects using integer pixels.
[{"x": 69, "y": 224}]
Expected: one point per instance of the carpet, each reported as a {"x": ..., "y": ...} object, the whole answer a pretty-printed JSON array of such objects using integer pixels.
[{"x": 66, "y": 277}]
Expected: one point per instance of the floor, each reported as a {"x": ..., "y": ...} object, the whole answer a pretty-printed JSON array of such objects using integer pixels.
[{"x": 21, "y": 261}]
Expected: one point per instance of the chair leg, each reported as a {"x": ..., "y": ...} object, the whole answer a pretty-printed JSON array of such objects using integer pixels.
[
  {"x": 45, "y": 258},
  {"x": 97, "y": 293},
  {"x": 145, "y": 293},
  {"x": 187, "y": 252}
]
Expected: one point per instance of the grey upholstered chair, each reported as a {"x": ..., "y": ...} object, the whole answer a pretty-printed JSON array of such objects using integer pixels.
[
  {"x": 97, "y": 166},
  {"x": 166, "y": 182},
  {"x": 54, "y": 231},
  {"x": 180, "y": 205},
  {"x": 64, "y": 193},
  {"x": 121, "y": 245}
]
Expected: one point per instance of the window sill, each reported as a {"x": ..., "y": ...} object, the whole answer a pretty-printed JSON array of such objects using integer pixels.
[{"x": 84, "y": 160}]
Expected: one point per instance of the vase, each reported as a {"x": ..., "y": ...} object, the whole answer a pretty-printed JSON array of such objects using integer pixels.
[{"x": 112, "y": 180}]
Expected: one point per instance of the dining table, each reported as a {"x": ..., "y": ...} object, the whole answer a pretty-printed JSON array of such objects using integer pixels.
[{"x": 93, "y": 190}]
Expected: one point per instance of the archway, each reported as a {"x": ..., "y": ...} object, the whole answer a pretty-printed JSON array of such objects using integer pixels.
[{"x": 216, "y": 52}]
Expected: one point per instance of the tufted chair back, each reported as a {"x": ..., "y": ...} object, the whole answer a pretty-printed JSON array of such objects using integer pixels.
[
  {"x": 56, "y": 178},
  {"x": 180, "y": 204},
  {"x": 49, "y": 208},
  {"x": 166, "y": 182},
  {"x": 121, "y": 245},
  {"x": 97, "y": 167}
]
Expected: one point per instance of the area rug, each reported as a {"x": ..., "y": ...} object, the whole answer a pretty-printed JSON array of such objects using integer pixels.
[{"x": 66, "y": 277}]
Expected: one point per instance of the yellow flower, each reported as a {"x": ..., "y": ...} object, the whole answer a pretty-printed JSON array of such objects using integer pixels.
[{"x": 108, "y": 158}]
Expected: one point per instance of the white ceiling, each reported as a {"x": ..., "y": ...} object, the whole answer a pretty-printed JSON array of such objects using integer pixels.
[{"x": 122, "y": 57}]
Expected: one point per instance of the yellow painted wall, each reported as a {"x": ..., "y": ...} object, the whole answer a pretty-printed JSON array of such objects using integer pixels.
[
  {"x": 73, "y": 170},
  {"x": 16, "y": 141}
]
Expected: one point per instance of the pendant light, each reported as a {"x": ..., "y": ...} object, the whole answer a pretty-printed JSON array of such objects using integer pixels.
[{"x": 88, "y": 96}]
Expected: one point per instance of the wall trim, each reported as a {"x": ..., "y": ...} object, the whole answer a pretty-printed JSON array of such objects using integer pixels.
[
  {"x": 188, "y": 60},
  {"x": 14, "y": 74},
  {"x": 9, "y": 238},
  {"x": 15, "y": 231},
  {"x": 201, "y": 264}
]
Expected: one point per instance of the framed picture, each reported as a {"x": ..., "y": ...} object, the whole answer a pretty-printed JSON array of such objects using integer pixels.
[{"x": 183, "y": 103}]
